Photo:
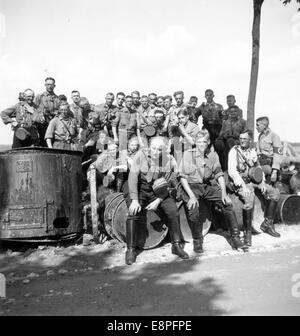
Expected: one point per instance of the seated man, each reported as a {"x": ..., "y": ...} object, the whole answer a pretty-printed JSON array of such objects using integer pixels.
[
  {"x": 241, "y": 159},
  {"x": 269, "y": 149},
  {"x": 197, "y": 169},
  {"x": 143, "y": 193}
]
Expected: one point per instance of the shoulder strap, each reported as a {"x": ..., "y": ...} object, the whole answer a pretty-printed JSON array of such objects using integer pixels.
[{"x": 243, "y": 157}]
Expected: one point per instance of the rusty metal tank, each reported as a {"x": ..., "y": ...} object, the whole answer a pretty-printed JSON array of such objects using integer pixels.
[{"x": 40, "y": 193}]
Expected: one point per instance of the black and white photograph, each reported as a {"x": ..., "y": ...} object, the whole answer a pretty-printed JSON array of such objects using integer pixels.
[{"x": 149, "y": 161}]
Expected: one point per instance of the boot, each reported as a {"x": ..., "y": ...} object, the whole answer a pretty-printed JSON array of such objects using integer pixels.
[
  {"x": 178, "y": 250},
  {"x": 131, "y": 253},
  {"x": 198, "y": 247},
  {"x": 235, "y": 235},
  {"x": 247, "y": 221},
  {"x": 267, "y": 225},
  {"x": 176, "y": 239}
]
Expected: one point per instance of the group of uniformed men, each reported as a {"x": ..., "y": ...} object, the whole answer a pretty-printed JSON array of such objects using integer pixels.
[{"x": 200, "y": 150}]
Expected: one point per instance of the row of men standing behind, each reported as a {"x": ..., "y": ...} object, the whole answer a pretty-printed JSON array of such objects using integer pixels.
[{"x": 81, "y": 121}]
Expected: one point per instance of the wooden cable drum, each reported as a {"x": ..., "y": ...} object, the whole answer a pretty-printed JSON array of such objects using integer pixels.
[
  {"x": 288, "y": 209},
  {"x": 150, "y": 234}
]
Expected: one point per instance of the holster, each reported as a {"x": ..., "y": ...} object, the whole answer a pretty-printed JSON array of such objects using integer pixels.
[{"x": 265, "y": 160}]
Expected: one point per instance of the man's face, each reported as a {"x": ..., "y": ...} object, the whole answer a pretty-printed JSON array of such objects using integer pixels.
[
  {"x": 129, "y": 102},
  {"x": 179, "y": 99},
  {"x": 76, "y": 97},
  {"x": 109, "y": 99},
  {"x": 159, "y": 117},
  {"x": 230, "y": 101},
  {"x": 64, "y": 111},
  {"x": 233, "y": 113},
  {"x": 167, "y": 103},
  {"x": 193, "y": 103},
  {"x": 183, "y": 119},
  {"x": 144, "y": 102},
  {"x": 136, "y": 99},
  {"x": 160, "y": 102},
  {"x": 245, "y": 140},
  {"x": 50, "y": 85},
  {"x": 209, "y": 95},
  {"x": 202, "y": 144},
  {"x": 133, "y": 145},
  {"x": 112, "y": 149},
  {"x": 156, "y": 149},
  {"x": 260, "y": 127},
  {"x": 120, "y": 100},
  {"x": 152, "y": 100},
  {"x": 29, "y": 97}
]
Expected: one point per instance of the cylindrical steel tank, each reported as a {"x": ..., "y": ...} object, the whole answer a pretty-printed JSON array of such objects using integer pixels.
[
  {"x": 288, "y": 209},
  {"x": 40, "y": 193},
  {"x": 150, "y": 234}
]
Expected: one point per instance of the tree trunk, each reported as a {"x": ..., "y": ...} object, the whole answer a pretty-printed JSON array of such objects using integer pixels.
[{"x": 255, "y": 63}]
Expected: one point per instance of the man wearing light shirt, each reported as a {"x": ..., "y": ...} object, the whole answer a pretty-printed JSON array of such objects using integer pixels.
[{"x": 241, "y": 158}]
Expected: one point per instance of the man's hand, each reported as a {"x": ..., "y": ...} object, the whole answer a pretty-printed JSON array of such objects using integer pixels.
[
  {"x": 192, "y": 203},
  {"x": 226, "y": 199},
  {"x": 14, "y": 124},
  {"x": 262, "y": 187},
  {"x": 274, "y": 175},
  {"x": 246, "y": 191},
  {"x": 134, "y": 207},
  {"x": 153, "y": 205}
]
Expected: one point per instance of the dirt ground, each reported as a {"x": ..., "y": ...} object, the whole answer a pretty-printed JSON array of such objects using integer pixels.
[{"x": 93, "y": 280}]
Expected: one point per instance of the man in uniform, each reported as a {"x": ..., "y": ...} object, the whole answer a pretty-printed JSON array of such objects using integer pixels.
[
  {"x": 193, "y": 110},
  {"x": 269, "y": 149},
  {"x": 136, "y": 99},
  {"x": 152, "y": 97},
  {"x": 230, "y": 99},
  {"x": 241, "y": 159},
  {"x": 145, "y": 117},
  {"x": 212, "y": 115},
  {"x": 120, "y": 98},
  {"x": 229, "y": 135},
  {"x": 142, "y": 193},
  {"x": 125, "y": 125},
  {"x": 107, "y": 112},
  {"x": 62, "y": 130},
  {"x": 198, "y": 168},
  {"x": 48, "y": 104},
  {"x": 24, "y": 119}
]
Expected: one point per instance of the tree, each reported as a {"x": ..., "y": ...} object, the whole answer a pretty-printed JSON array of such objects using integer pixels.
[{"x": 257, "y": 4}]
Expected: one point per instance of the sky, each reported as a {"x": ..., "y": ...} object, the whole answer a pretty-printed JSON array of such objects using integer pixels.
[{"x": 161, "y": 46}]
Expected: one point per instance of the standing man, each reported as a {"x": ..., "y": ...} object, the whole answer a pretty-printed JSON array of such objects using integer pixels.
[
  {"x": 120, "y": 100},
  {"x": 62, "y": 130},
  {"x": 136, "y": 99},
  {"x": 241, "y": 159},
  {"x": 145, "y": 117},
  {"x": 143, "y": 193},
  {"x": 230, "y": 99},
  {"x": 24, "y": 119},
  {"x": 212, "y": 114},
  {"x": 269, "y": 149},
  {"x": 152, "y": 97},
  {"x": 198, "y": 168},
  {"x": 107, "y": 112},
  {"x": 229, "y": 135},
  {"x": 78, "y": 112},
  {"x": 125, "y": 125},
  {"x": 48, "y": 104},
  {"x": 193, "y": 110}
]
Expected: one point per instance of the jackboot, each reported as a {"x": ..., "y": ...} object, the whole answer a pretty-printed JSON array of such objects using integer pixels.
[
  {"x": 131, "y": 253},
  {"x": 176, "y": 240},
  {"x": 197, "y": 237},
  {"x": 247, "y": 221},
  {"x": 235, "y": 234},
  {"x": 267, "y": 225}
]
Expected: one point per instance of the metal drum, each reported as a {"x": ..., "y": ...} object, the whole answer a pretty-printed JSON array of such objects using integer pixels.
[
  {"x": 40, "y": 193},
  {"x": 150, "y": 234},
  {"x": 288, "y": 209}
]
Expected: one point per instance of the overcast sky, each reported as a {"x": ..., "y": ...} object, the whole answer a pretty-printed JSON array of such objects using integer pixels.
[{"x": 99, "y": 46}]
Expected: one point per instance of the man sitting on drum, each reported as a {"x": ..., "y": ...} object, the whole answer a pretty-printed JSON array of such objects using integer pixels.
[
  {"x": 199, "y": 168},
  {"x": 147, "y": 189},
  {"x": 247, "y": 176}
]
